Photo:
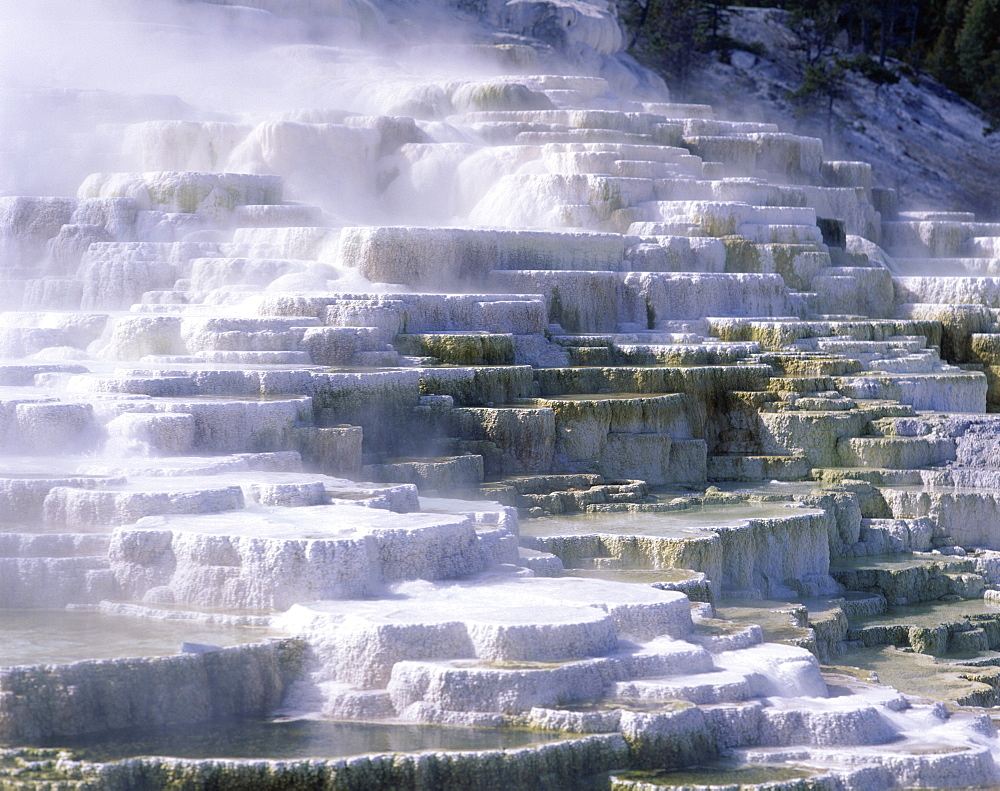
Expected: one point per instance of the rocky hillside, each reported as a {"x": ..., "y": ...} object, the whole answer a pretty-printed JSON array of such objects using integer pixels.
[{"x": 921, "y": 139}]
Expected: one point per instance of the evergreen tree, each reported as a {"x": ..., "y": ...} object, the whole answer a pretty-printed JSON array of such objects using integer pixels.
[
  {"x": 715, "y": 15},
  {"x": 977, "y": 50},
  {"x": 941, "y": 61},
  {"x": 823, "y": 81},
  {"x": 674, "y": 35},
  {"x": 668, "y": 35},
  {"x": 816, "y": 25}
]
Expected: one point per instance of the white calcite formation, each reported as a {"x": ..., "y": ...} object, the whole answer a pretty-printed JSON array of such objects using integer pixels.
[{"x": 482, "y": 375}]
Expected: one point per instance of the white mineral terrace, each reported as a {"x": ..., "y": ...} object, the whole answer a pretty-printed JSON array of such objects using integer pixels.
[{"x": 421, "y": 366}]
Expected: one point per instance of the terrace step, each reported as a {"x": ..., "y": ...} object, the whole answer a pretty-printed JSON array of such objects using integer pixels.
[
  {"x": 716, "y": 687},
  {"x": 904, "y": 453},
  {"x": 758, "y": 468},
  {"x": 454, "y": 474}
]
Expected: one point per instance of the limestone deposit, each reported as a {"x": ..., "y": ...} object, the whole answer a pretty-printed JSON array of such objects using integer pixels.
[{"x": 477, "y": 385}]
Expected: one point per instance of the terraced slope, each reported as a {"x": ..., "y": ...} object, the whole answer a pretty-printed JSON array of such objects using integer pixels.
[{"x": 499, "y": 400}]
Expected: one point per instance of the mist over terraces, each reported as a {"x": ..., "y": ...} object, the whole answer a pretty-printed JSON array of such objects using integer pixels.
[{"x": 412, "y": 395}]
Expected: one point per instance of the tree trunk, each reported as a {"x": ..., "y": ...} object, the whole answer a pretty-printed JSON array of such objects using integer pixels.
[
  {"x": 634, "y": 38},
  {"x": 886, "y": 32}
]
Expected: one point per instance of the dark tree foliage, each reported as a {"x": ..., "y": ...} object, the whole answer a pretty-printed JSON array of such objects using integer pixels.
[
  {"x": 671, "y": 35},
  {"x": 822, "y": 81},
  {"x": 816, "y": 26},
  {"x": 946, "y": 23},
  {"x": 977, "y": 49}
]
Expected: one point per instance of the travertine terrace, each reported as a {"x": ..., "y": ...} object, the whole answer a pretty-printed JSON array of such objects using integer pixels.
[{"x": 487, "y": 388}]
